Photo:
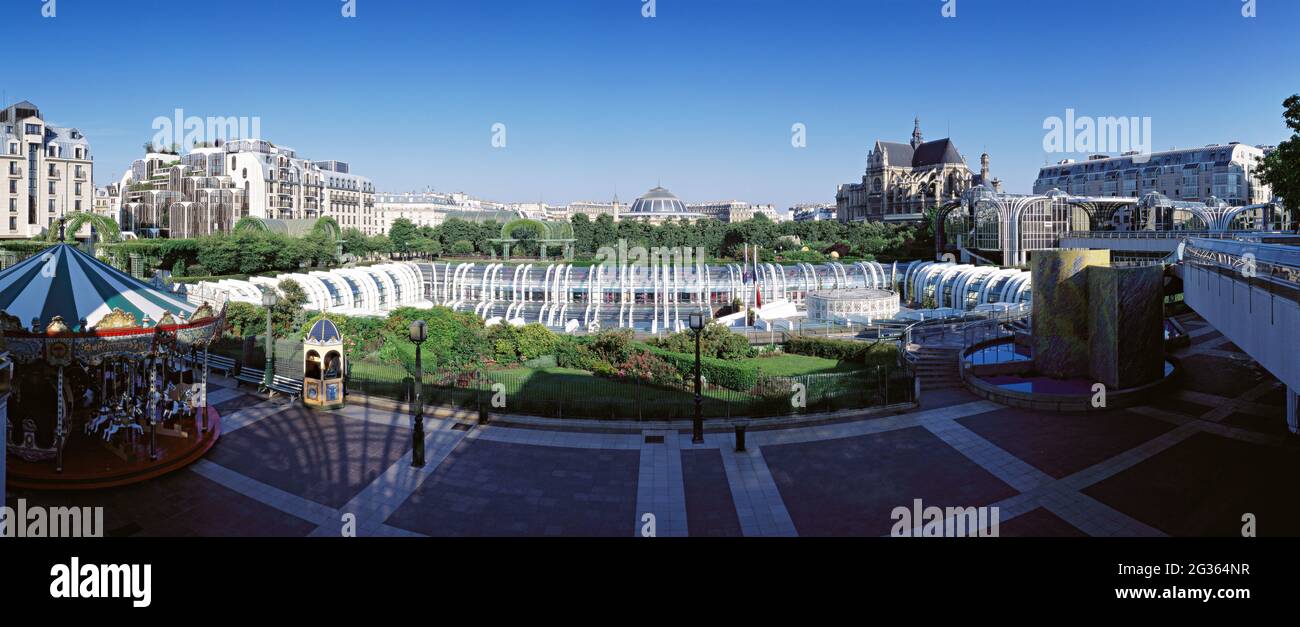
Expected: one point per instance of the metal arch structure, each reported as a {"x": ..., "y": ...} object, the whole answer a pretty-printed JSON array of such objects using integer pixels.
[{"x": 549, "y": 233}]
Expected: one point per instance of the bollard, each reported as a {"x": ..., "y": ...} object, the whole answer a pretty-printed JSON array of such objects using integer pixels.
[{"x": 740, "y": 438}]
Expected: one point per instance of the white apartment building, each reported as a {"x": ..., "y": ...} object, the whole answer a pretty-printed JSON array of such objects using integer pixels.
[
  {"x": 1226, "y": 172},
  {"x": 592, "y": 210},
  {"x": 813, "y": 213},
  {"x": 47, "y": 172},
  {"x": 433, "y": 208},
  {"x": 734, "y": 210},
  {"x": 209, "y": 189}
]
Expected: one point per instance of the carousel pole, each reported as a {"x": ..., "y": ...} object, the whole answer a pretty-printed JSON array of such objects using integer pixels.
[
  {"x": 58, "y": 424},
  {"x": 152, "y": 407},
  {"x": 203, "y": 389}
]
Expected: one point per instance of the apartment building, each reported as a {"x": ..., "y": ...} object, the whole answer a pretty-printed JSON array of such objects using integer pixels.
[
  {"x": 210, "y": 188},
  {"x": 47, "y": 172},
  {"x": 1226, "y": 172}
]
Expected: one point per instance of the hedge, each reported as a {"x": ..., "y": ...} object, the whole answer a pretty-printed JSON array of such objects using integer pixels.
[
  {"x": 843, "y": 350},
  {"x": 741, "y": 377}
]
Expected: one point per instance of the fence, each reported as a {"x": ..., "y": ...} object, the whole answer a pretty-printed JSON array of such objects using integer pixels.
[{"x": 557, "y": 393}]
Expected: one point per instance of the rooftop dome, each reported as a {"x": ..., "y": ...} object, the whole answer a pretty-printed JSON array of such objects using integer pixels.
[{"x": 658, "y": 200}]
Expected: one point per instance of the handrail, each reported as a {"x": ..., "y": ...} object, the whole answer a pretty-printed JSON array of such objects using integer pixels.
[
  {"x": 962, "y": 324},
  {"x": 1161, "y": 234}
]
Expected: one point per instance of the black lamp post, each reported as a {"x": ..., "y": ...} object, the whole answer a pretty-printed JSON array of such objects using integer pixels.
[
  {"x": 269, "y": 299},
  {"x": 697, "y": 428},
  {"x": 418, "y": 335}
]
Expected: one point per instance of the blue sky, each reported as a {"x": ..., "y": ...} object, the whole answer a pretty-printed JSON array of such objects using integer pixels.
[{"x": 598, "y": 99}]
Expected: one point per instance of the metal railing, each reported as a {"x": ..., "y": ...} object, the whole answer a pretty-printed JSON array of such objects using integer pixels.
[
  {"x": 562, "y": 394},
  {"x": 969, "y": 328},
  {"x": 1156, "y": 234}
]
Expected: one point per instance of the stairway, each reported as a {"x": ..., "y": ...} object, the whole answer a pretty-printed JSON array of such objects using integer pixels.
[{"x": 936, "y": 367}]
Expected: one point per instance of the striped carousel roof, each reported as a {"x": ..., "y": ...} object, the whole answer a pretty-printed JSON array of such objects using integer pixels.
[{"x": 64, "y": 281}]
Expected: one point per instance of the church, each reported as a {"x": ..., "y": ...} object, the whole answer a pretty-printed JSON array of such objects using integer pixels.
[{"x": 903, "y": 180}]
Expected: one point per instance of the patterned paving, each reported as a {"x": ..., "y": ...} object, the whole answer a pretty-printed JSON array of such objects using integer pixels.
[
  {"x": 1190, "y": 464},
  {"x": 499, "y": 489}
]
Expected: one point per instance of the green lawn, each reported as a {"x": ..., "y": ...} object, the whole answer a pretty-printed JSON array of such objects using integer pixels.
[{"x": 789, "y": 365}]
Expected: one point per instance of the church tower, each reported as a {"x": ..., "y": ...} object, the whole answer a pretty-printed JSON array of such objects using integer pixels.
[
  {"x": 984, "y": 167},
  {"x": 917, "y": 139}
]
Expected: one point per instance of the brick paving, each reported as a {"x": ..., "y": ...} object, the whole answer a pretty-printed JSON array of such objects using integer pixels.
[{"x": 1190, "y": 464}]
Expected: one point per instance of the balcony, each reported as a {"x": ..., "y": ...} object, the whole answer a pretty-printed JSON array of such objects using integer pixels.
[{"x": 16, "y": 173}]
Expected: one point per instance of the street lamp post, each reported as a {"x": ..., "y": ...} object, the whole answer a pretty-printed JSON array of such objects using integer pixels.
[
  {"x": 268, "y": 300},
  {"x": 418, "y": 335},
  {"x": 697, "y": 428}
]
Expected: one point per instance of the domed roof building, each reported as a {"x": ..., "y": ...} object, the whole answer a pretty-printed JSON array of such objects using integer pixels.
[{"x": 659, "y": 204}]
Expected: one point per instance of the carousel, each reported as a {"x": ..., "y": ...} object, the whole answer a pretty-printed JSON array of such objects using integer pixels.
[{"x": 109, "y": 375}]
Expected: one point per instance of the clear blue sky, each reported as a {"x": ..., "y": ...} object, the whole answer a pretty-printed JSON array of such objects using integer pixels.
[{"x": 702, "y": 97}]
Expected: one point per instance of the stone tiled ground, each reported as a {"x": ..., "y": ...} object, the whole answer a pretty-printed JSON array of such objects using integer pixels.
[
  {"x": 1063, "y": 444},
  {"x": 1203, "y": 485},
  {"x": 710, "y": 510},
  {"x": 287, "y": 471},
  {"x": 498, "y": 489},
  {"x": 1038, "y": 523},
  {"x": 176, "y": 504},
  {"x": 227, "y": 407},
  {"x": 850, "y": 486},
  {"x": 320, "y": 456}
]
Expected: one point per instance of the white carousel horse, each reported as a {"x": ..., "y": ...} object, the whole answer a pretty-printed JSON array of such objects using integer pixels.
[{"x": 95, "y": 424}]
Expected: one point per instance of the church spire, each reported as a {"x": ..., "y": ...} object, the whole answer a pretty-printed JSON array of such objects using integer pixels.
[{"x": 917, "y": 139}]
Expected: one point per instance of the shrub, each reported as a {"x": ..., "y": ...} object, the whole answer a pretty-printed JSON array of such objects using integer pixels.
[
  {"x": 462, "y": 247},
  {"x": 613, "y": 345},
  {"x": 715, "y": 341},
  {"x": 734, "y": 375},
  {"x": 535, "y": 340},
  {"x": 573, "y": 353},
  {"x": 648, "y": 368},
  {"x": 844, "y": 350}
]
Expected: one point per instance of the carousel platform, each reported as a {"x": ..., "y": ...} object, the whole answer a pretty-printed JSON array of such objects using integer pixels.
[{"x": 89, "y": 465}]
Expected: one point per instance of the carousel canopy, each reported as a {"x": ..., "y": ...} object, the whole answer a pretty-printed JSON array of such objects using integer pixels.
[
  {"x": 63, "y": 281},
  {"x": 323, "y": 332}
]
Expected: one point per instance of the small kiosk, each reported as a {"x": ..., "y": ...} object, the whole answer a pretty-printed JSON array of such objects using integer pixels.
[{"x": 322, "y": 367}]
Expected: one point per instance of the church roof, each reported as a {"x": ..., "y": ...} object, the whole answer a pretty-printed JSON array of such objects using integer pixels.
[{"x": 937, "y": 152}]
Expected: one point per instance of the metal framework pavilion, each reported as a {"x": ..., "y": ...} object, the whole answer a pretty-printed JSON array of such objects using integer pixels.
[{"x": 1015, "y": 224}]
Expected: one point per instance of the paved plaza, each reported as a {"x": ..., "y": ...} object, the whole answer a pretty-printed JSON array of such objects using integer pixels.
[{"x": 1190, "y": 464}]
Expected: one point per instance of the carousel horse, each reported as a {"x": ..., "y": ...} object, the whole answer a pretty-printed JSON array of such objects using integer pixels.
[
  {"x": 116, "y": 426},
  {"x": 95, "y": 424}
]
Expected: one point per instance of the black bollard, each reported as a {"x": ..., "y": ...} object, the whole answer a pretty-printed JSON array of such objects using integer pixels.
[{"x": 740, "y": 438}]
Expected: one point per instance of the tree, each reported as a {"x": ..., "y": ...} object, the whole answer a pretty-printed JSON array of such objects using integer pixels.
[
  {"x": 244, "y": 318},
  {"x": 401, "y": 234},
  {"x": 1281, "y": 168},
  {"x": 354, "y": 242},
  {"x": 288, "y": 310},
  {"x": 462, "y": 247}
]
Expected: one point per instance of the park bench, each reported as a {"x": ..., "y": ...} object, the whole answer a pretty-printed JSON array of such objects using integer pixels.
[
  {"x": 287, "y": 385},
  {"x": 254, "y": 376}
]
